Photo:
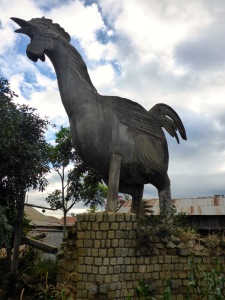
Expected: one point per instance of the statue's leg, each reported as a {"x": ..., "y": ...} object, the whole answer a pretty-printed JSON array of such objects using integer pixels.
[
  {"x": 113, "y": 183},
  {"x": 137, "y": 195},
  {"x": 165, "y": 200}
]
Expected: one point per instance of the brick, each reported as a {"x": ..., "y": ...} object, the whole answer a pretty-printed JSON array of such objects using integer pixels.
[
  {"x": 102, "y": 252},
  {"x": 98, "y": 261},
  {"x": 119, "y": 217},
  {"x": 88, "y": 243},
  {"x": 104, "y": 235},
  {"x": 132, "y": 234},
  {"x": 118, "y": 252},
  {"x": 108, "y": 243},
  {"x": 157, "y": 267},
  {"x": 133, "y": 217},
  {"x": 89, "y": 260},
  {"x": 110, "y": 252},
  {"x": 128, "y": 243},
  {"x": 175, "y": 259},
  {"x": 108, "y": 278},
  {"x": 121, "y": 243},
  {"x": 119, "y": 260},
  {"x": 142, "y": 269},
  {"x": 118, "y": 234},
  {"x": 106, "y": 261},
  {"x": 103, "y": 243},
  {"x": 94, "y": 252},
  {"x": 115, "y": 243},
  {"x": 129, "y": 226},
  {"x": 82, "y": 252},
  {"x": 95, "y": 226},
  {"x": 127, "y": 276},
  {"x": 99, "y": 217},
  {"x": 127, "y": 260},
  {"x": 124, "y": 252},
  {"x": 89, "y": 269},
  {"x": 155, "y": 275},
  {"x": 127, "y": 218},
  {"x": 183, "y": 275},
  {"x": 178, "y": 267},
  {"x": 97, "y": 244},
  {"x": 98, "y": 235},
  {"x": 122, "y": 226},
  {"x": 116, "y": 269},
  {"x": 69, "y": 266},
  {"x": 115, "y": 278},
  {"x": 104, "y": 226},
  {"x": 105, "y": 217},
  {"x": 80, "y": 243},
  {"x": 124, "y": 234},
  {"x": 133, "y": 260},
  {"x": 80, "y": 235},
  {"x": 112, "y": 217},
  {"x": 87, "y": 234},
  {"x": 92, "y": 217},
  {"x": 88, "y": 251},
  {"x": 158, "y": 282},
  {"x": 111, "y": 234},
  {"x": 80, "y": 260},
  {"x": 103, "y": 270},
  {"x": 168, "y": 259},
  {"x": 175, "y": 274},
  {"x": 81, "y": 269},
  {"x": 154, "y": 260},
  {"x": 95, "y": 269},
  {"x": 80, "y": 217},
  {"x": 171, "y": 267},
  {"x": 85, "y": 226},
  {"x": 114, "y": 226},
  {"x": 129, "y": 269},
  {"x": 113, "y": 261}
]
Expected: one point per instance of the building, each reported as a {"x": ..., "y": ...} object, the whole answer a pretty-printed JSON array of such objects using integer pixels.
[{"x": 205, "y": 213}]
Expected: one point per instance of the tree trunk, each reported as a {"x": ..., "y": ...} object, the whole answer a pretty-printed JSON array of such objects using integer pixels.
[
  {"x": 18, "y": 235},
  {"x": 64, "y": 224},
  {"x": 39, "y": 245}
]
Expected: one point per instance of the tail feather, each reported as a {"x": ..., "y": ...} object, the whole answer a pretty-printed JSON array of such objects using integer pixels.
[{"x": 169, "y": 119}]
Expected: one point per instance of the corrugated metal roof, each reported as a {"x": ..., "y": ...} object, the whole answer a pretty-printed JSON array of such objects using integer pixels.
[
  {"x": 38, "y": 219},
  {"x": 192, "y": 206}
]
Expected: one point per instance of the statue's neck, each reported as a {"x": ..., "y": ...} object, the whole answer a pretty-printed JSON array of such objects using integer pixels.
[{"x": 73, "y": 79}]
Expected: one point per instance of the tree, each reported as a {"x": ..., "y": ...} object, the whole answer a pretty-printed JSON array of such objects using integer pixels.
[
  {"x": 24, "y": 157},
  {"x": 82, "y": 182},
  {"x": 61, "y": 155},
  {"x": 86, "y": 183}
]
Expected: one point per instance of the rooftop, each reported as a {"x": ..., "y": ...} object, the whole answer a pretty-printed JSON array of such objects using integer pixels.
[{"x": 192, "y": 206}]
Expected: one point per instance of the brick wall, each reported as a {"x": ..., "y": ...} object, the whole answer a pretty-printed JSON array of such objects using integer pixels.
[{"x": 104, "y": 260}]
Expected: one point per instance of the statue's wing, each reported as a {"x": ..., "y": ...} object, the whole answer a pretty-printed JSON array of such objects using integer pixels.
[{"x": 134, "y": 115}]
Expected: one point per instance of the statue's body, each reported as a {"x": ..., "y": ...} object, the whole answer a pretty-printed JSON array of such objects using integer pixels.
[{"x": 105, "y": 125}]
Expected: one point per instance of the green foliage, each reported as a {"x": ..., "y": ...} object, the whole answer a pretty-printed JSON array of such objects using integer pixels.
[
  {"x": 62, "y": 153},
  {"x": 86, "y": 184},
  {"x": 6, "y": 229},
  {"x": 81, "y": 183},
  {"x": 161, "y": 226},
  {"x": 206, "y": 283},
  {"x": 24, "y": 160},
  {"x": 142, "y": 291},
  {"x": 38, "y": 278}
]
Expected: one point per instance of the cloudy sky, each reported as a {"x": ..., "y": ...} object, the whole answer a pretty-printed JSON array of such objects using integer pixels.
[{"x": 147, "y": 51}]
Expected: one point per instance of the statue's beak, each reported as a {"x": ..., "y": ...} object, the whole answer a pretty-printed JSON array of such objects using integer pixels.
[{"x": 23, "y": 24}]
